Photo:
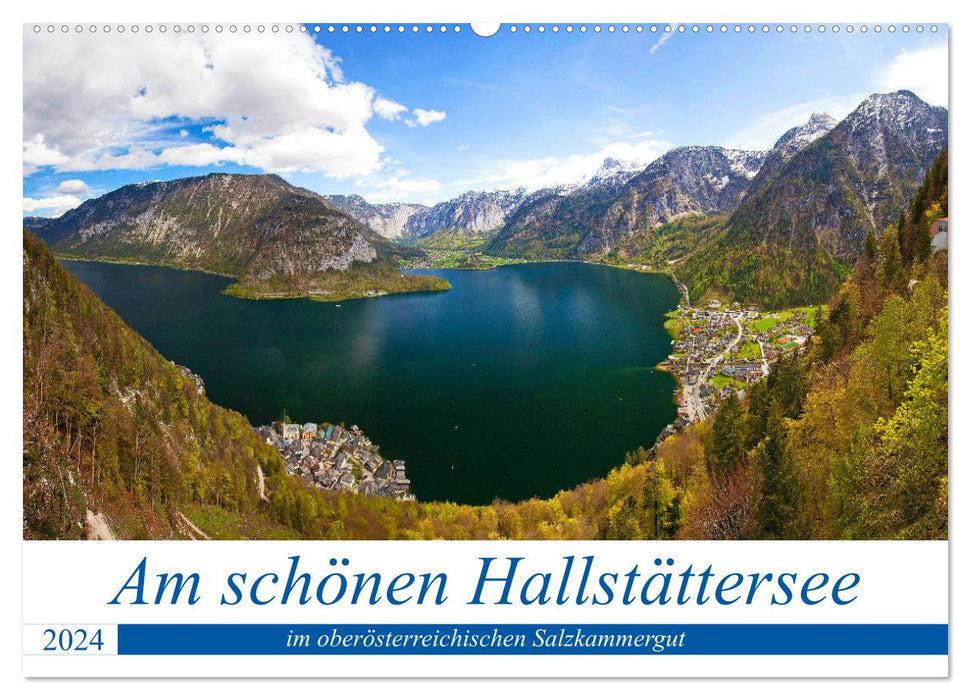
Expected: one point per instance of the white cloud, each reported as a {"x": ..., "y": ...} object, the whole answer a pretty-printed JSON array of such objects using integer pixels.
[
  {"x": 642, "y": 152},
  {"x": 76, "y": 187},
  {"x": 576, "y": 168},
  {"x": 38, "y": 154},
  {"x": 922, "y": 72},
  {"x": 399, "y": 188},
  {"x": 661, "y": 42},
  {"x": 50, "y": 206},
  {"x": 424, "y": 117},
  {"x": 95, "y": 101},
  {"x": 762, "y": 132},
  {"x": 388, "y": 109}
]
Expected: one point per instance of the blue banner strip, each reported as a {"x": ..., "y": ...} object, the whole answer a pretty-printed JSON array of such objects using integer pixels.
[{"x": 500, "y": 639}]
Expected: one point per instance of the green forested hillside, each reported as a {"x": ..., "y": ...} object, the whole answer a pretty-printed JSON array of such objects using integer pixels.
[
  {"x": 455, "y": 240},
  {"x": 927, "y": 205},
  {"x": 674, "y": 243},
  {"x": 110, "y": 425},
  {"x": 771, "y": 276},
  {"x": 850, "y": 439},
  {"x": 766, "y": 274},
  {"x": 552, "y": 226}
]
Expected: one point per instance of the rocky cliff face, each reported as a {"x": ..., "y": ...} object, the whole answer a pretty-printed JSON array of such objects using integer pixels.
[
  {"x": 690, "y": 180},
  {"x": 471, "y": 212},
  {"x": 389, "y": 220},
  {"x": 592, "y": 219},
  {"x": 241, "y": 225},
  {"x": 475, "y": 212},
  {"x": 615, "y": 173},
  {"x": 854, "y": 179},
  {"x": 798, "y": 137}
]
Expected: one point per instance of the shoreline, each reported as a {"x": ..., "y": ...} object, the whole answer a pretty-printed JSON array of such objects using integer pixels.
[
  {"x": 667, "y": 272},
  {"x": 320, "y": 296},
  {"x": 138, "y": 263},
  {"x": 662, "y": 366},
  {"x": 256, "y": 296},
  {"x": 647, "y": 440}
]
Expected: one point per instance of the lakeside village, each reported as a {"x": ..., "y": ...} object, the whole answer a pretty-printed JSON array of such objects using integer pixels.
[
  {"x": 338, "y": 459},
  {"x": 330, "y": 456},
  {"x": 717, "y": 350}
]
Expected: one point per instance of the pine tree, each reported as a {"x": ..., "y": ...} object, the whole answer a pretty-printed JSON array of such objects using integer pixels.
[
  {"x": 788, "y": 384},
  {"x": 780, "y": 506},
  {"x": 891, "y": 270},
  {"x": 870, "y": 246},
  {"x": 727, "y": 437}
]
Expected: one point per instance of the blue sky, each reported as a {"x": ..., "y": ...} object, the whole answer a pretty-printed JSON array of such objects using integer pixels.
[{"x": 425, "y": 116}]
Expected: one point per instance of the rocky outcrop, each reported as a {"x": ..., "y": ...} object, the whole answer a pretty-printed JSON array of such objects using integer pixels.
[{"x": 389, "y": 220}]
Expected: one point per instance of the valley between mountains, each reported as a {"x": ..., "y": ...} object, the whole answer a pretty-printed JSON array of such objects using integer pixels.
[{"x": 773, "y": 228}]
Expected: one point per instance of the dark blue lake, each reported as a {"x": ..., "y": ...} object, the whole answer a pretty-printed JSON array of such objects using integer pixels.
[{"x": 520, "y": 381}]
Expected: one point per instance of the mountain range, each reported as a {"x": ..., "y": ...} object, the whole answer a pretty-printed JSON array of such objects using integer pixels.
[
  {"x": 471, "y": 212},
  {"x": 592, "y": 219},
  {"x": 803, "y": 222},
  {"x": 834, "y": 189},
  {"x": 779, "y": 226},
  {"x": 276, "y": 239}
]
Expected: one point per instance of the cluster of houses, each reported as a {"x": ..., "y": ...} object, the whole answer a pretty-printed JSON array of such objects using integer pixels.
[
  {"x": 715, "y": 353},
  {"x": 707, "y": 333},
  {"x": 336, "y": 458}
]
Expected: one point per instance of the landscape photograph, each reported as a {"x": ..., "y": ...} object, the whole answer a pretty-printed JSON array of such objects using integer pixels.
[{"x": 560, "y": 281}]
